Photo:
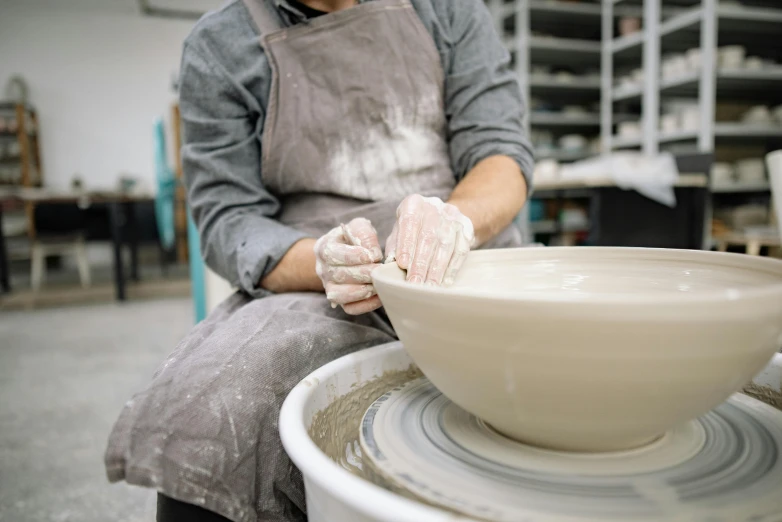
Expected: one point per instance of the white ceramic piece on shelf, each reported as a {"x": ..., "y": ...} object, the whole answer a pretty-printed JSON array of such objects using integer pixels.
[
  {"x": 590, "y": 349},
  {"x": 753, "y": 63},
  {"x": 572, "y": 142},
  {"x": 540, "y": 70},
  {"x": 757, "y": 114},
  {"x": 669, "y": 122},
  {"x": 752, "y": 170},
  {"x": 574, "y": 110},
  {"x": 629, "y": 129},
  {"x": 722, "y": 174},
  {"x": 690, "y": 118},
  {"x": 675, "y": 66},
  {"x": 731, "y": 56},
  {"x": 564, "y": 77},
  {"x": 777, "y": 113},
  {"x": 637, "y": 75},
  {"x": 694, "y": 58}
]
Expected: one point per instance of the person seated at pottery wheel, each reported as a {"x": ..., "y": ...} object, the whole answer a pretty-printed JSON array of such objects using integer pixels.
[{"x": 318, "y": 135}]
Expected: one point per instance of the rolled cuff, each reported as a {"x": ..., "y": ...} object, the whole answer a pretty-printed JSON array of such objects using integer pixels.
[{"x": 258, "y": 255}]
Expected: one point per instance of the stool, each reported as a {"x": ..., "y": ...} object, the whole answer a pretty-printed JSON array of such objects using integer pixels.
[{"x": 42, "y": 248}]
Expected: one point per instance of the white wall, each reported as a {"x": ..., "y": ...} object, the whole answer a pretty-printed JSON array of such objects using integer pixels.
[{"x": 99, "y": 74}]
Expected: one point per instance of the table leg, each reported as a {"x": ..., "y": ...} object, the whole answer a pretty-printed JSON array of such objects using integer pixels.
[
  {"x": 5, "y": 284},
  {"x": 115, "y": 220},
  {"x": 132, "y": 223}
]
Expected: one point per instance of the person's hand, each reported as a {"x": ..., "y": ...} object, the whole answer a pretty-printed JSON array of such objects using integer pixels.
[
  {"x": 430, "y": 239},
  {"x": 344, "y": 260}
]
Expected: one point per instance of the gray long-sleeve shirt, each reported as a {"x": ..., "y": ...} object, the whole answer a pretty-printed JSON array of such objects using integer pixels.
[{"x": 225, "y": 81}]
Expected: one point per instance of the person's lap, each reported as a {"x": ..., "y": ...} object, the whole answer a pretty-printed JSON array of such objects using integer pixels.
[{"x": 204, "y": 432}]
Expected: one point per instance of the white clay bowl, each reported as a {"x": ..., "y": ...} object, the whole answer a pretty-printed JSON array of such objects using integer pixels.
[{"x": 590, "y": 349}]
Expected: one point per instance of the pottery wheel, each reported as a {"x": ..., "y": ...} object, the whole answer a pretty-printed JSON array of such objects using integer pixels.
[{"x": 725, "y": 466}]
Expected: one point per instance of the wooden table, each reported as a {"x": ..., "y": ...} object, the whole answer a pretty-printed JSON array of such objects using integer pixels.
[{"x": 122, "y": 219}]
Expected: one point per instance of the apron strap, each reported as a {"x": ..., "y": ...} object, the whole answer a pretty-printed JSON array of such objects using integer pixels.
[{"x": 265, "y": 21}]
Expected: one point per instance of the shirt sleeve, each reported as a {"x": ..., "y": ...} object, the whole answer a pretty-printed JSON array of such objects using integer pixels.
[
  {"x": 483, "y": 99},
  {"x": 221, "y": 158}
]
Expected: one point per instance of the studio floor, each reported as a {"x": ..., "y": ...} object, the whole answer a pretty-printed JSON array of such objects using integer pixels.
[{"x": 64, "y": 375}]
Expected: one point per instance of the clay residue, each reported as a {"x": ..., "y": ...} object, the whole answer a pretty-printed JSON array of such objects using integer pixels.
[
  {"x": 765, "y": 394},
  {"x": 335, "y": 429}
]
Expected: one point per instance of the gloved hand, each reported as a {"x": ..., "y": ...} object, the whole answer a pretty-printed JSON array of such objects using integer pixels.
[
  {"x": 344, "y": 260},
  {"x": 430, "y": 240}
]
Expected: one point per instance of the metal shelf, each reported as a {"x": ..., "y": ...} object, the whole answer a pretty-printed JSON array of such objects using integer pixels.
[
  {"x": 730, "y": 83},
  {"x": 747, "y": 130},
  {"x": 738, "y": 13},
  {"x": 576, "y": 83},
  {"x": 557, "y": 11},
  {"x": 738, "y": 131},
  {"x": 733, "y": 83},
  {"x": 625, "y": 143},
  {"x": 735, "y": 188},
  {"x": 559, "y": 119},
  {"x": 564, "y": 51},
  {"x": 685, "y": 20},
  {"x": 629, "y": 43},
  {"x": 627, "y": 93},
  {"x": 682, "y": 135}
]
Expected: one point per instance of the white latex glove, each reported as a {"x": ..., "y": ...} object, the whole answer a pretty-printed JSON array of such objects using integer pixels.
[
  {"x": 344, "y": 260},
  {"x": 430, "y": 239}
]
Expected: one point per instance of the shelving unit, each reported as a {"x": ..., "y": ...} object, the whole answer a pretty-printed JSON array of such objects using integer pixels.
[
  {"x": 555, "y": 44},
  {"x": 555, "y": 47},
  {"x": 718, "y": 94},
  {"x": 703, "y": 24},
  {"x": 20, "y": 165},
  {"x": 20, "y": 157}
]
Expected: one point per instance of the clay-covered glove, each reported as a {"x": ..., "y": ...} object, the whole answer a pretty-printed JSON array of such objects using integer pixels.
[
  {"x": 430, "y": 239},
  {"x": 344, "y": 260}
]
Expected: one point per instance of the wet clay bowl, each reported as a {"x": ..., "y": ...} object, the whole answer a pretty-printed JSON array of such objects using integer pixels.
[{"x": 590, "y": 349}]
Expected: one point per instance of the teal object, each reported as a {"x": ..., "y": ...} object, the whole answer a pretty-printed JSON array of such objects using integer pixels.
[
  {"x": 166, "y": 190},
  {"x": 197, "y": 282}
]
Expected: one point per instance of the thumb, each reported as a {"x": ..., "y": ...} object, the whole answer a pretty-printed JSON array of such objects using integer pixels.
[
  {"x": 391, "y": 245},
  {"x": 360, "y": 232}
]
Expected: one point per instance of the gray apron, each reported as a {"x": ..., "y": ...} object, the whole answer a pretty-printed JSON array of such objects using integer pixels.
[{"x": 355, "y": 122}]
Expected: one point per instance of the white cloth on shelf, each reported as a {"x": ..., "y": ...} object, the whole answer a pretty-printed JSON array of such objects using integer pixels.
[{"x": 652, "y": 176}]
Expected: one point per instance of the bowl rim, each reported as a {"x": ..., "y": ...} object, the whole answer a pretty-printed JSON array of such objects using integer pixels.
[{"x": 381, "y": 277}]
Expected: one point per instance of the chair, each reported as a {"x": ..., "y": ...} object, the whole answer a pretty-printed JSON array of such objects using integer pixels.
[
  {"x": 58, "y": 246},
  {"x": 60, "y": 230}
]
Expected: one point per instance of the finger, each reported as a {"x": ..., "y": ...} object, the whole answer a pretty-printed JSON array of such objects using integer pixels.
[
  {"x": 363, "y": 307},
  {"x": 365, "y": 235},
  {"x": 339, "y": 254},
  {"x": 344, "y": 294},
  {"x": 427, "y": 244},
  {"x": 409, "y": 221},
  {"x": 358, "y": 274},
  {"x": 391, "y": 246},
  {"x": 442, "y": 257},
  {"x": 460, "y": 251}
]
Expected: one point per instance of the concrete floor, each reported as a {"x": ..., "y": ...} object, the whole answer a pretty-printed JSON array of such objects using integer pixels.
[{"x": 64, "y": 375}]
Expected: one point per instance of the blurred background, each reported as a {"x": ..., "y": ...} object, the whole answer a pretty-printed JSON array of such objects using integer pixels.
[{"x": 652, "y": 121}]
